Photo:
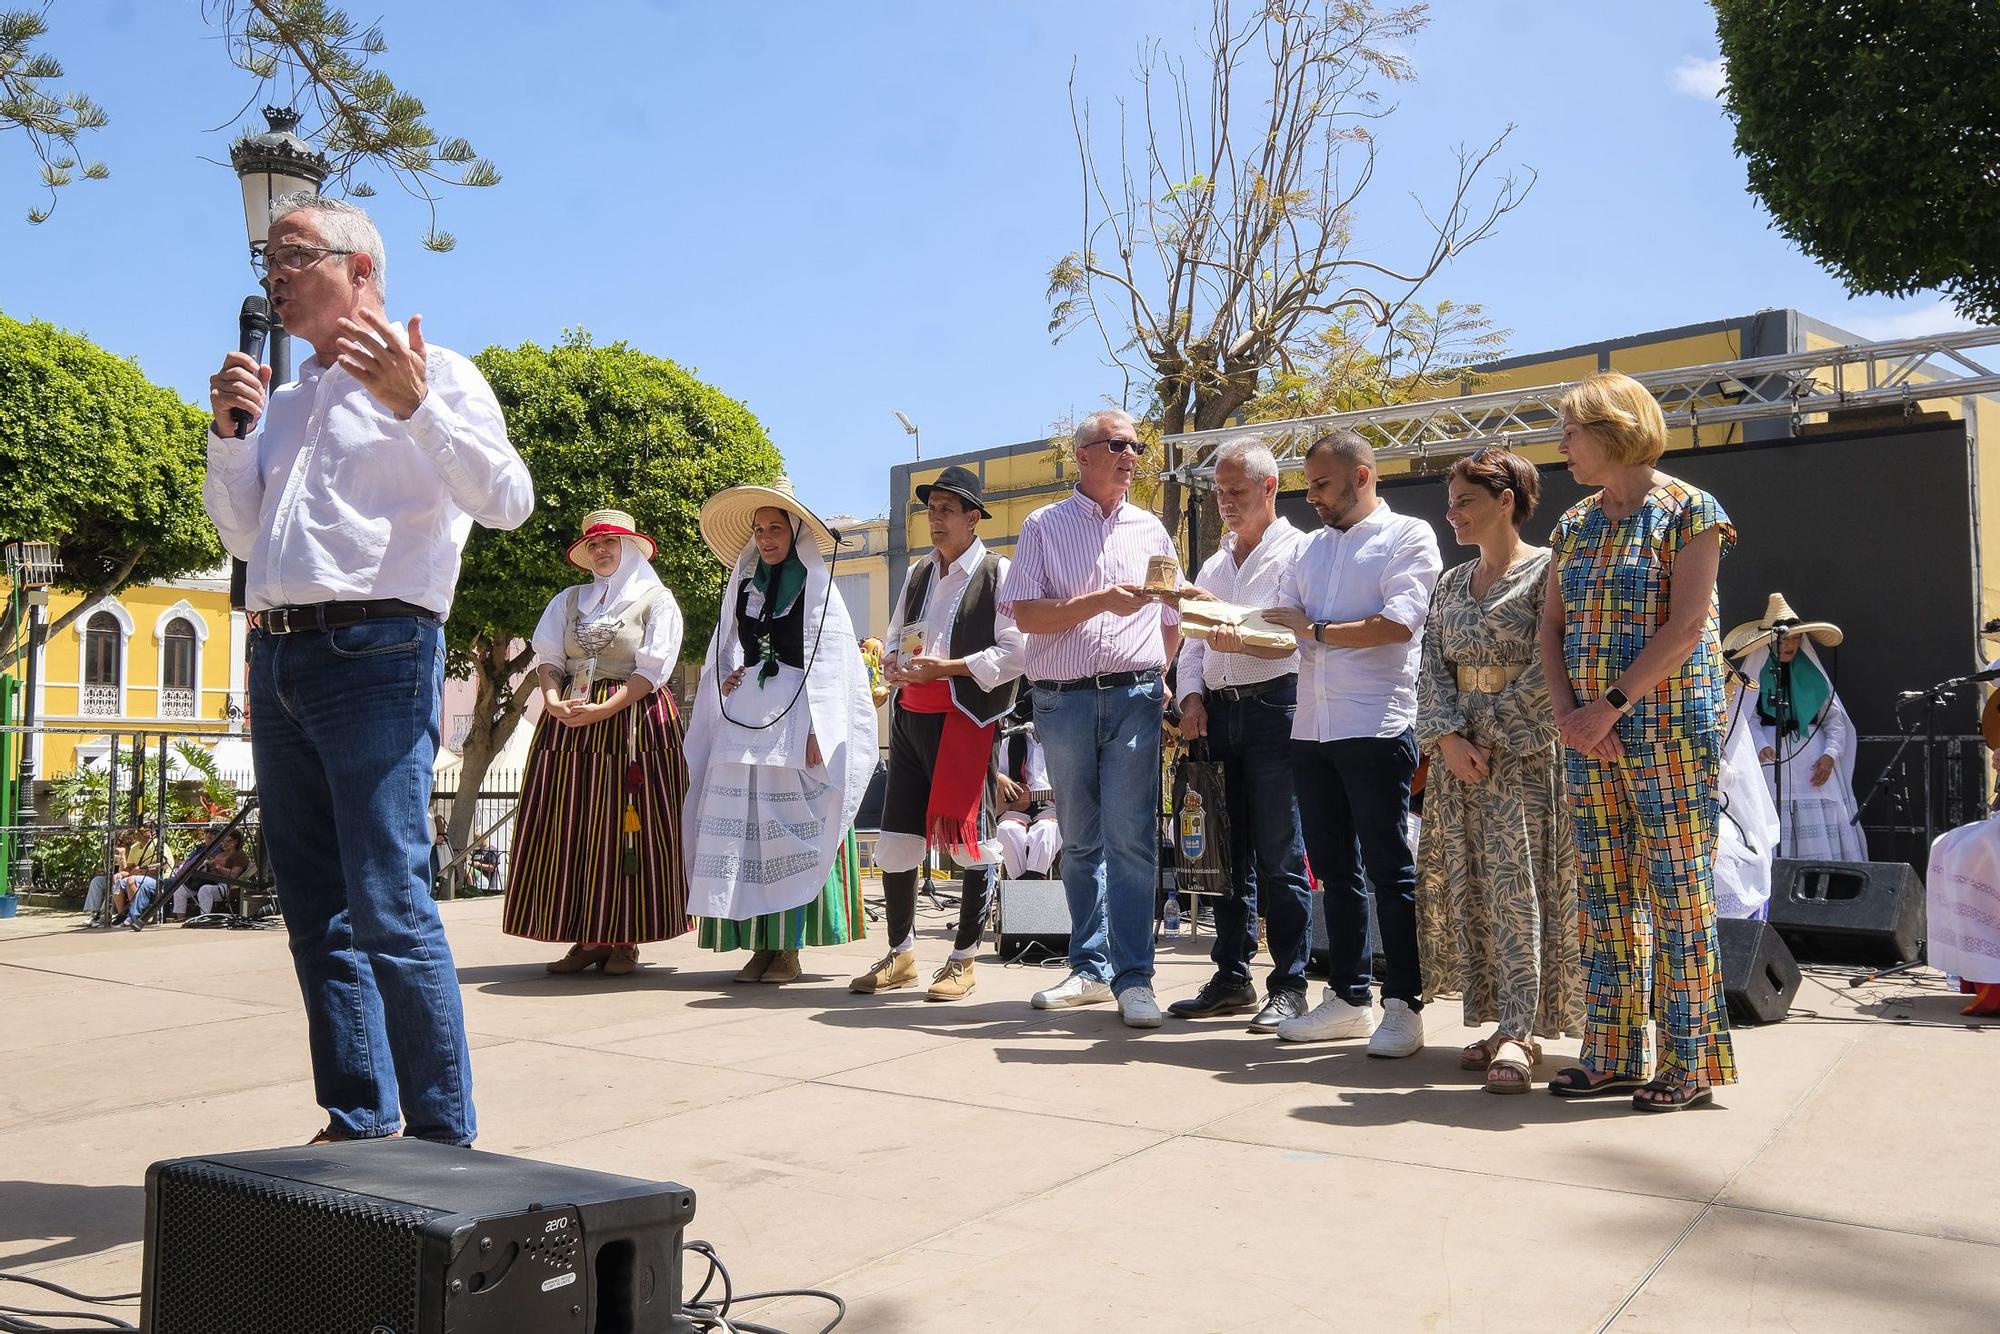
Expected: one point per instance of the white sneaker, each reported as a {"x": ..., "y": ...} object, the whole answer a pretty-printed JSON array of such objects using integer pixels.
[
  {"x": 1401, "y": 1032},
  {"x": 1138, "y": 1008},
  {"x": 1331, "y": 1018},
  {"x": 1076, "y": 989}
]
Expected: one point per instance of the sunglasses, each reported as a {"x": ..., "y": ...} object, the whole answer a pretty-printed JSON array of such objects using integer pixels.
[{"x": 1133, "y": 447}]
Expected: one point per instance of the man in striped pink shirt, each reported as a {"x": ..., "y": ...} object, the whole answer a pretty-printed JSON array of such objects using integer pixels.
[{"x": 1097, "y": 647}]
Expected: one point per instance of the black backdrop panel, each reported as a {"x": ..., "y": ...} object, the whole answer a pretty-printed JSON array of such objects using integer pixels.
[{"x": 1871, "y": 532}]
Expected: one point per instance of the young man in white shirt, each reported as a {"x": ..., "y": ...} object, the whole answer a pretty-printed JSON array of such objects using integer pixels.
[
  {"x": 951, "y": 695},
  {"x": 350, "y": 494},
  {"x": 1357, "y": 597},
  {"x": 1240, "y": 698}
]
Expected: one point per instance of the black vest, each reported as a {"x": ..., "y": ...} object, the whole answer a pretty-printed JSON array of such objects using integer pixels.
[{"x": 972, "y": 631}]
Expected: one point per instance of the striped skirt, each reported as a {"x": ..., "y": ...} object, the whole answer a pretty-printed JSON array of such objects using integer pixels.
[
  {"x": 834, "y": 918},
  {"x": 580, "y": 873}
]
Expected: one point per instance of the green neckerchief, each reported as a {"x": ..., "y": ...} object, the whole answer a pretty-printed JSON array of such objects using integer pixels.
[
  {"x": 1810, "y": 690},
  {"x": 780, "y": 590}
]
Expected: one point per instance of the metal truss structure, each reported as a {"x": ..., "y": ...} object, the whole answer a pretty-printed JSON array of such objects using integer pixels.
[{"x": 1791, "y": 386}]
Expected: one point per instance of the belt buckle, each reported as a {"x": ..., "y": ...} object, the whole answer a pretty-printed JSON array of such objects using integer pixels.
[
  {"x": 278, "y": 621},
  {"x": 1102, "y": 679}
]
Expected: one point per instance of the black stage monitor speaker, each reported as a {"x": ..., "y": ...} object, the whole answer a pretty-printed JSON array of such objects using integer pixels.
[
  {"x": 400, "y": 1236},
  {"x": 1034, "y": 914},
  {"x": 1759, "y": 975},
  {"x": 1868, "y": 913}
]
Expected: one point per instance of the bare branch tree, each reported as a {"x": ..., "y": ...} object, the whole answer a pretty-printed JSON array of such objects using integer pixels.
[{"x": 1222, "y": 256}]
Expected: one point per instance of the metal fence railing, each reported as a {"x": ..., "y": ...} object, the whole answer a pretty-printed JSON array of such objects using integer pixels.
[{"x": 164, "y": 781}]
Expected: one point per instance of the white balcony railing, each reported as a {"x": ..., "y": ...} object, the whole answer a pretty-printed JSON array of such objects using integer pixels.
[
  {"x": 176, "y": 703},
  {"x": 100, "y": 701}
]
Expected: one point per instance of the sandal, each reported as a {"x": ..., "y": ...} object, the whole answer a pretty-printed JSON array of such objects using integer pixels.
[
  {"x": 1678, "y": 1096},
  {"x": 1530, "y": 1055},
  {"x": 1478, "y": 1055},
  {"x": 1577, "y": 1082}
]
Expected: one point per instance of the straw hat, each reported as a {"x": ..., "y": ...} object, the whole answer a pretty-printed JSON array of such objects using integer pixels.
[
  {"x": 728, "y": 516},
  {"x": 1778, "y": 619},
  {"x": 609, "y": 523}
]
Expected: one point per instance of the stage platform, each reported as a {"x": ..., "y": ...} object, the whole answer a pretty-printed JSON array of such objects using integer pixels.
[{"x": 982, "y": 1166}]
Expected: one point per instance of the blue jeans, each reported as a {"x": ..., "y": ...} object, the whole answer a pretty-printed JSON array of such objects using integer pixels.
[
  {"x": 145, "y": 889},
  {"x": 1103, "y": 749},
  {"x": 1252, "y": 738},
  {"x": 1356, "y": 809},
  {"x": 344, "y": 734}
]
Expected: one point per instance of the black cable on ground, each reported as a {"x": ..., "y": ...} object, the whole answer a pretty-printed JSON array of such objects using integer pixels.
[
  {"x": 14, "y": 1319},
  {"x": 715, "y": 1315}
]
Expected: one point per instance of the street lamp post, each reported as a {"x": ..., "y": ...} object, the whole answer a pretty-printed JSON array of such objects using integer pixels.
[
  {"x": 32, "y": 568},
  {"x": 268, "y": 166}
]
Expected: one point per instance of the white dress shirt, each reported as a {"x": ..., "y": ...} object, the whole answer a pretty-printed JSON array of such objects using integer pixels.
[
  {"x": 333, "y": 498},
  {"x": 989, "y": 667},
  {"x": 1256, "y": 582},
  {"x": 1385, "y": 565}
]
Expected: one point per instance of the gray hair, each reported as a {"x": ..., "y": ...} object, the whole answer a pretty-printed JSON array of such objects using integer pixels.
[
  {"x": 1259, "y": 463},
  {"x": 1088, "y": 426},
  {"x": 1345, "y": 445},
  {"x": 344, "y": 226}
]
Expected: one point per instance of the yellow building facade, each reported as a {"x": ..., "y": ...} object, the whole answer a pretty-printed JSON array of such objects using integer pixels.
[{"x": 165, "y": 656}]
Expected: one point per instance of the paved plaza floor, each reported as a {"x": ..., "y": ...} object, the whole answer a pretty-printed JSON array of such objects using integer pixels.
[{"x": 983, "y": 1166}]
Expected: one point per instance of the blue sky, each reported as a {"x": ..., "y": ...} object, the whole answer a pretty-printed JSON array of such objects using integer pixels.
[{"x": 836, "y": 211}]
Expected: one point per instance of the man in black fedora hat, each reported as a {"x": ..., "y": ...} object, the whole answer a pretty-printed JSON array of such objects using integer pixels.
[{"x": 954, "y": 660}]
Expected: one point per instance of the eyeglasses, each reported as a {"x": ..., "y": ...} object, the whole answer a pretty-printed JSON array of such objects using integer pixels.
[
  {"x": 292, "y": 258},
  {"x": 1133, "y": 447}
]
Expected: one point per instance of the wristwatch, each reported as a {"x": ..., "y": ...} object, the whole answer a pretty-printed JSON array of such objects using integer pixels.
[
  {"x": 1618, "y": 700},
  {"x": 1318, "y": 626}
]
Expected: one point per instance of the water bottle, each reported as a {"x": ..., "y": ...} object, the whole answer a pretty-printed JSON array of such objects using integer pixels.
[{"x": 1173, "y": 915}]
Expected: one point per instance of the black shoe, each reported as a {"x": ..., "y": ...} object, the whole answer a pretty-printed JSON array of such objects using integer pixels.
[
  {"x": 1218, "y": 995},
  {"x": 1283, "y": 1005}
]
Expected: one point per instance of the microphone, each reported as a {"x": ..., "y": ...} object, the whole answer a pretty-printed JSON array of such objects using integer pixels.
[{"x": 253, "y": 326}]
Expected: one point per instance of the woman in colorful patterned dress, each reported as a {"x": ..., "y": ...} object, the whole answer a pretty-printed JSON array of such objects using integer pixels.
[
  {"x": 783, "y": 741},
  {"x": 1636, "y": 679},
  {"x": 1496, "y": 869},
  {"x": 597, "y": 859}
]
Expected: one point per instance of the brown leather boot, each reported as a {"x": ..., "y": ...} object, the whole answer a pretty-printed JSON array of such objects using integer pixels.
[
  {"x": 624, "y": 958},
  {"x": 580, "y": 958},
  {"x": 784, "y": 967},
  {"x": 753, "y": 971},
  {"x": 893, "y": 971}
]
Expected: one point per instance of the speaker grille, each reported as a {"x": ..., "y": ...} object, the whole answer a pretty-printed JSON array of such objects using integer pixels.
[{"x": 241, "y": 1253}]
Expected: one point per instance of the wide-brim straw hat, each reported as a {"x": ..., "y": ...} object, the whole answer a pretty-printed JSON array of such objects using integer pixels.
[
  {"x": 609, "y": 523},
  {"x": 1778, "y": 619},
  {"x": 727, "y": 518}
]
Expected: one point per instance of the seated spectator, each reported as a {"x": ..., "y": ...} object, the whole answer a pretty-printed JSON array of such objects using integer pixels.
[
  {"x": 209, "y": 884},
  {"x": 96, "y": 901},
  {"x": 135, "y": 887},
  {"x": 1027, "y": 831}
]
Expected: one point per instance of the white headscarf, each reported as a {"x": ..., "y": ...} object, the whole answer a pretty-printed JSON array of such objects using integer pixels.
[{"x": 605, "y": 595}]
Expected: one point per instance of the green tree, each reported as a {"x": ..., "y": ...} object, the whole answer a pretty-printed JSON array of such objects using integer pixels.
[
  {"x": 1429, "y": 352},
  {"x": 1225, "y": 239},
  {"x": 1871, "y": 130},
  {"x": 598, "y": 427},
  {"x": 100, "y": 462},
  {"x": 305, "y": 53}
]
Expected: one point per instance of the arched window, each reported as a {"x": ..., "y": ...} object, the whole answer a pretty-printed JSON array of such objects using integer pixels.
[
  {"x": 103, "y": 647},
  {"x": 177, "y": 669}
]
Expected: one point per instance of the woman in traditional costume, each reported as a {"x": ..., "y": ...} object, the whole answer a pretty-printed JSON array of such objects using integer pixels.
[
  {"x": 782, "y": 744},
  {"x": 1814, "y": 739},
  {"x": 598, "y": 859}
]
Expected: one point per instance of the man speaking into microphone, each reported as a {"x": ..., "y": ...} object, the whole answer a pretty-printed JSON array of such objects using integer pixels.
[{"x": 350, "y": 495}]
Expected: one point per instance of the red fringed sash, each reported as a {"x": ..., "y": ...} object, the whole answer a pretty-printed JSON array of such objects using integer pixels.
[{"x": 958, "y": 778}]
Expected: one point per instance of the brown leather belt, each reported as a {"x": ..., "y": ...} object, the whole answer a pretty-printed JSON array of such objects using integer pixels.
[{"x": 1490, "y": 679}]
